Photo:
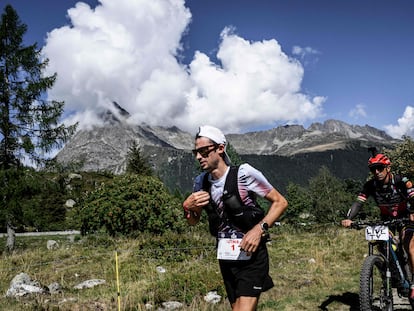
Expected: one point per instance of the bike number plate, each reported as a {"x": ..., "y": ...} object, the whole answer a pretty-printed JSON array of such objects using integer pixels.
[{"x": 376, "y": 233}]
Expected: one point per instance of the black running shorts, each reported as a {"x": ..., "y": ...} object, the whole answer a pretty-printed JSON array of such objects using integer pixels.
[{"x": 247, "y": 277}]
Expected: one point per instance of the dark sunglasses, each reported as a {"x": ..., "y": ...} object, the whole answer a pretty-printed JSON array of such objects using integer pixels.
[
  {"x": 204, "y": 151},
  {"x": 378, "y": 168}
]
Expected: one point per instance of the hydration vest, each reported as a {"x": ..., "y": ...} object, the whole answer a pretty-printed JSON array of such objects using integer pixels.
[
  {"x": 392, "y": 199},
  {"x": 235, "y": 214}
]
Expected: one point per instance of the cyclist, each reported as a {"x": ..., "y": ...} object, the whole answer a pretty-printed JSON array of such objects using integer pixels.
[{"x": 394, "y": 195}]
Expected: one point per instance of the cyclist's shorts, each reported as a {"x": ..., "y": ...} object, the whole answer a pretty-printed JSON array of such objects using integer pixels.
[{"x": 247, "y": 277}]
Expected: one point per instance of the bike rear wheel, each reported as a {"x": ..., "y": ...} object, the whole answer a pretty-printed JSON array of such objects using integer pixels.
[{"x": 374, "y": 293}]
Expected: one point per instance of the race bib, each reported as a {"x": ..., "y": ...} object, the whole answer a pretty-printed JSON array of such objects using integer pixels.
[{"x": 229, "y": 247}]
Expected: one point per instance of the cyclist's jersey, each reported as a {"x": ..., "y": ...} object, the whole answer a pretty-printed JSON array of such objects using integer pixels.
[{"x": 391, "y": 198}]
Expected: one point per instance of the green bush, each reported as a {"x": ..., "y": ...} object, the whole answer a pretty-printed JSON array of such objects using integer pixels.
[
  {"x": 32, "y": 200},
  {"x": 129, "y": 204}
]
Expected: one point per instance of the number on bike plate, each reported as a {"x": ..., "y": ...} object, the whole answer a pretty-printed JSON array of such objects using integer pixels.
[{"x": 375, "y": 233}]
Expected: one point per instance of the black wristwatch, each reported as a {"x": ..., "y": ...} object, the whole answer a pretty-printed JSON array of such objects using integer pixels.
[{"x": 264, "y": 226}]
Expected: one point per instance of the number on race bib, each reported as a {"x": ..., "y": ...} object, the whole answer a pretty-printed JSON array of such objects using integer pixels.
[{"x": 229, "y": 249}]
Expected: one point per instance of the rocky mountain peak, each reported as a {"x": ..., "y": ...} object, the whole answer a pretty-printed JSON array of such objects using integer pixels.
[
  {"x": 105, "y": 148},
  {"x": 350, "y": 131},
  {"x": 114, "y": 115},
  {"x": 293, "y": 139}
]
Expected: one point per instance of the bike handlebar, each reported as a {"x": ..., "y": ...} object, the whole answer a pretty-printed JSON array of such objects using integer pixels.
[{"x": 393, "y": 222}]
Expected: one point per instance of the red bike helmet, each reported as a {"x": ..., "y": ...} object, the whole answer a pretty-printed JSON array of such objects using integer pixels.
[{"x": 379, "y": 159}]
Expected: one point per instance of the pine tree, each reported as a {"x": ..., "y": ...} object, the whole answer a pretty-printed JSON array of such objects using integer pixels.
[
  {"x": 330, "y": 200},
  {"x": 136, "y": 163},
  {"x": 233, "y": 155},
  {"x": 29, "y": 123}
]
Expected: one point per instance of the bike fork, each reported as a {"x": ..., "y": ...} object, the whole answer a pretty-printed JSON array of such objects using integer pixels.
[{"x": 388, "y": 275}]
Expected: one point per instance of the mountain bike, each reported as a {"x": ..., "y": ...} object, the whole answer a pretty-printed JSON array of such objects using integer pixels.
[{"x": 386, "y": 266}]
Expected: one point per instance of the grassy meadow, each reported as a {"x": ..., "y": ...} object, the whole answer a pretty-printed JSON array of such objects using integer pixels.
[{"x": 313, "y": 269}]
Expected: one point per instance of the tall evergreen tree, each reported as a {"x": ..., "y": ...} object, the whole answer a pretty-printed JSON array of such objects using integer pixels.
[
  {"x": 329, "y": 198},
  {"x": 29, "y": 123},
  {"x": 233, "y": 155},
  {"x": 300, "y": 205},
  {"x": 136, "y": 163}
]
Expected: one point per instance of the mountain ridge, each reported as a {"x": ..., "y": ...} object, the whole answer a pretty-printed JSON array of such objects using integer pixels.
[
  {"x": 293, "y": 139},
  {"x": 280, "y": 149}
]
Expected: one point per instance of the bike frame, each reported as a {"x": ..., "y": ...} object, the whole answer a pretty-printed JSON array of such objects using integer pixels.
[
  {"x": 390, "y": 256},
  {"x": 385, "y": 268}
]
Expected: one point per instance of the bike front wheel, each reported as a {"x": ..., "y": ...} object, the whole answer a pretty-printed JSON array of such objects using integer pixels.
[{"x": 375, "y": 291}]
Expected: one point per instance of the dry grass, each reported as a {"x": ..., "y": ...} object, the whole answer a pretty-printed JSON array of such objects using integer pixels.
[{"x": 316, "y": 270}]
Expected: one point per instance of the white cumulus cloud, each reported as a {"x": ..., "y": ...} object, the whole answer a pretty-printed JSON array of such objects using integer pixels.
[
  {"x": 128, "y": 51},
  {"x": 358, "y": 111},
  {"x": 307, "y": 55},
  {"x": 405, "y": 124}
]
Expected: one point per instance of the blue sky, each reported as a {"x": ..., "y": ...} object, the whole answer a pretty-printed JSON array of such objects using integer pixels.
[{"x": 240, "y": 65}]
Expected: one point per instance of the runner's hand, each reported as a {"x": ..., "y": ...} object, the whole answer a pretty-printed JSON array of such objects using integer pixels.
[
  {"x": 251, "y": 239},
  {"x": 197, "y": 200}
]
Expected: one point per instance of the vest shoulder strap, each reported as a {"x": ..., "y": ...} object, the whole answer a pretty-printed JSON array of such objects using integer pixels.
[
  {"x": 397, "y": 178},
  {"x": 231, "y": 185},
  {"x": 206, "y": 184},
  {"x": 400, "y": 185}
]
